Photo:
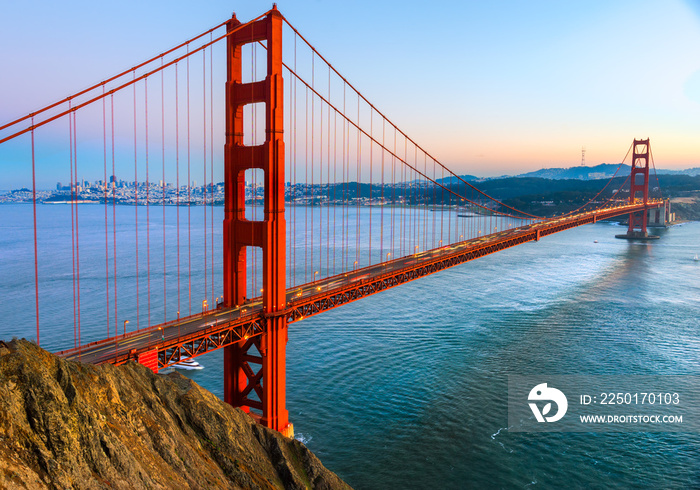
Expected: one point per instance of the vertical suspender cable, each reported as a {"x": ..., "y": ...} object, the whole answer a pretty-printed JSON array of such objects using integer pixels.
[
  {"x": 306, "y": 187},
  {"x": 425, "y": 202},
  {"x": 406, "y": 219},
  {"x": 371, "y": 151},
  {"x": 288, "y": 175},
  {"x": 114, "y": 215},
  {"x": 381, "y": 208},
  {"x": 294, "y": 184},
  {"x": 313, "y": 130},
  {"x": 177, "y": 184},
  {"x": 348, "y": 191},
  {"x": 36, "y": 250},
  {"x": 162, "y": 187},
  {"x": 402, "y": 224},
  {"x": 393, "y": 195},
  {"x": 320, "y": 198},
  {"x": 72, "y": 223},
  {"x": 344, "y": 209},
  {"x": 104, "y": 194},
  {"x": 189, "y": 194},
  {"x": 442, "y": 209},
  {"x": 328, "y": 181},
  {"x": 136, "y": 213},
  {"x": 431, "y": 209},
  {"x": 335, "y": 163},
  {"x": 148, "y": 212},
  {"x": 413, "y": 210},
  {"x": 204, "y": 165},
  {"x": 435, "y": 208},
  {"x": 211, "y": 155},
  {"x": 402, "y": 198},
  {"x": 77, "y": 222},
  {"x": 359, "y": 189},
  {"x": 412, "y": 189},
  {"x": 417, "y": 210},
  {"x": 467, "y": 226}
]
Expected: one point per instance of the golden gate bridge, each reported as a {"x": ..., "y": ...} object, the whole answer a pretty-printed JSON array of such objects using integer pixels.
[{"x": 326, "y": 201}]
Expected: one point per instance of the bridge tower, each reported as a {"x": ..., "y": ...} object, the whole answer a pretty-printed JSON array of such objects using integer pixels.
[
  {"x": 639, "y": 190},
  {"x": 267, "y": 351}
]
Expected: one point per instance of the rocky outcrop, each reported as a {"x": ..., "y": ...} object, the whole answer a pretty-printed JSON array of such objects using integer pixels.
[
  {"x": 71, "y": 425},
  {"x": 686, "y": 209}
]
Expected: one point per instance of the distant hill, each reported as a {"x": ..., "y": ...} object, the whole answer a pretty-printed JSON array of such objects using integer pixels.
[
  {"x": 602, "y": 171},
  {"x": 455, "y": 180},
  {"x": 693, "y": 172}
]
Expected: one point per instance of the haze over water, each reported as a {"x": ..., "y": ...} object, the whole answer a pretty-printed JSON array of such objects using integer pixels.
[{"x": 408, "y": 388}]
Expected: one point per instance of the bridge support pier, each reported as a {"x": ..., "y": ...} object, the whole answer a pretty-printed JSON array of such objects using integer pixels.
[
  {"x": 255, "y": 368},
  {"x": 639, "y": 183}
]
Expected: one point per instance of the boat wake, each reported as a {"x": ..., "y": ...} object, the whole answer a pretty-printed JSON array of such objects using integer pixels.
[{"x": 493, "y": 438}]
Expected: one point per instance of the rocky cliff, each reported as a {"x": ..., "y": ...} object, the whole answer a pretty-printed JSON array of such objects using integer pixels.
[
  {"x": 686, "y": 209},
  {"x": 70, "y": 425}
]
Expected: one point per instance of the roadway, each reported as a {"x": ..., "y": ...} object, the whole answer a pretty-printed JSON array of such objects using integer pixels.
[{"x": 213, "y": 329}]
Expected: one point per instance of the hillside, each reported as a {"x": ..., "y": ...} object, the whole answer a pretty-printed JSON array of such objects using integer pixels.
[
  {"x": 70, "y": 425},
  {"x": 602, "y": 171},
  {"x": 686, "y": 208},
  {"x": 565, "y": 195}
]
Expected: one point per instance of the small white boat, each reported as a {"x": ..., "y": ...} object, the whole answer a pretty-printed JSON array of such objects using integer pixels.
[
  {"x": 595, "y": 241},
  {"x": 696, "y": 259},
  {"x": 188, "y": 365}
]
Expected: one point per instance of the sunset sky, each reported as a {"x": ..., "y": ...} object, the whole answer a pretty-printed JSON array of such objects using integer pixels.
[{"x": 489, "y": 88}]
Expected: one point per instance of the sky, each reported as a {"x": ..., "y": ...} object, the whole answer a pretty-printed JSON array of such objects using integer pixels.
[{"x": 489, "y": 88}]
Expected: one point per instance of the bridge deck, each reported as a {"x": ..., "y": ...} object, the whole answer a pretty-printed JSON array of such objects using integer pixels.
[{"x": 198, "y": 334}]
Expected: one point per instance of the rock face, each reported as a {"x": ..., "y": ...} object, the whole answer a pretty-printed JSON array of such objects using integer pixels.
[
  {"x": 686, "y": 209},
  {"x": 71, "y": 425}
]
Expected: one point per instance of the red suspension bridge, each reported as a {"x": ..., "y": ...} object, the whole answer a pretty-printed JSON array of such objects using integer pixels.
[{"x": 326, "y": 201}]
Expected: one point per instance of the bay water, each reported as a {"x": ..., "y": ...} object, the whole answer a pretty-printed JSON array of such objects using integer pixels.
[{"x": 408, "y": 388}]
